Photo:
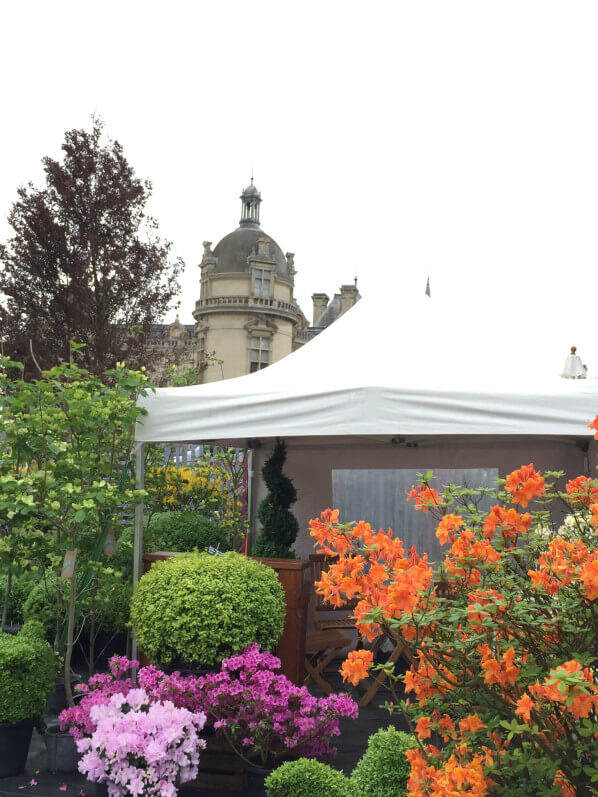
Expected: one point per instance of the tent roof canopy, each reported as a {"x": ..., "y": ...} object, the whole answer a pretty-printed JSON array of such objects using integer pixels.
[{"x": 422, "y": 368}]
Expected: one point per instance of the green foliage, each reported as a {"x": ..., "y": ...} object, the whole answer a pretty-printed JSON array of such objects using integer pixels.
[
  {"x": 383, "y": 771},
  {"x": 198, "y": 609},
  {"x": 279, "y": 525},
  {"x": 21, "y": 586},
  {"x": 27, "y": 674},
  {"x": 185, "y": 531},
  {"x": 306, "y": 778},
  {"x": 44, "y": 601}
]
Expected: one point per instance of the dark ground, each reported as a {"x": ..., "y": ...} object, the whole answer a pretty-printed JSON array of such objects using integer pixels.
[{"x": 351, "y": 745}]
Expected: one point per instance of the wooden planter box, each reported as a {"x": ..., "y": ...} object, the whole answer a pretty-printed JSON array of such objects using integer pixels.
[{"x": 295, "y": 577}]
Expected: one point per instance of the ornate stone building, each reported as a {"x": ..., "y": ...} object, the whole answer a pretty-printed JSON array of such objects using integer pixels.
[{"x": 246, "y": 316}]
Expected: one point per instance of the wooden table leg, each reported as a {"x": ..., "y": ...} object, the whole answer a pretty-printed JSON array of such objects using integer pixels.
[{"x": 380, "y": 677}]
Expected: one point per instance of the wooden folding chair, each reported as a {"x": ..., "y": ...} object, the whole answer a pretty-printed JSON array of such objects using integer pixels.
[{"x": 321, "y": 647}]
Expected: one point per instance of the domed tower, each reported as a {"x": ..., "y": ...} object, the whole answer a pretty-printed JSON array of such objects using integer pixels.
[{"x": 246, "y": 317}]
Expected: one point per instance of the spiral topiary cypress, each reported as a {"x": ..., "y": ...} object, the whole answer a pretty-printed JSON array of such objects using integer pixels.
[{"x": 279, "y": 526}]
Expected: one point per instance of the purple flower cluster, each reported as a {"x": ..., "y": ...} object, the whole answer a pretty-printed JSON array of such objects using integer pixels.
[
  {"x": 141, "y": 747},
  {"x": 260, "y": 712},
  {"x": 264, "y": 715}
]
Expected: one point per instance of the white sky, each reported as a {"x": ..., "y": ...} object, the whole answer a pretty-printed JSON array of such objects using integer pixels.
[{"x": 458, "y": 139}]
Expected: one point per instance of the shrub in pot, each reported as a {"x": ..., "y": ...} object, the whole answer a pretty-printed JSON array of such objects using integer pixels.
[
  {"x": 186, "y": 531},
  {"x": 27, "y": 672},
  {"x": 196, "y": 609},
  {"x": 279, "y": 525}
]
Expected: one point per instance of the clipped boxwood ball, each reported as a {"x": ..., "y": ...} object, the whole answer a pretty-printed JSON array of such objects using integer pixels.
[
  {"x": 196, "y": 609},
  {"x": 384, "y": 770},
  {"x": 27, "y": 674},
  {"x": 306, "y": 778}
]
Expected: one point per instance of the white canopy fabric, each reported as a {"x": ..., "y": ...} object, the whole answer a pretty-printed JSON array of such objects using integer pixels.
[{"x": 417, "y": 368}]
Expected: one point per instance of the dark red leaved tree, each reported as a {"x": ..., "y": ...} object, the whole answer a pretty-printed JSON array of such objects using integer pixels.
[{"x": 85, "y": 262}]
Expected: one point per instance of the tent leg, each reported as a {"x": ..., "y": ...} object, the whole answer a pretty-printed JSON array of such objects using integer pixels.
[{"x": 139, "y": 452}]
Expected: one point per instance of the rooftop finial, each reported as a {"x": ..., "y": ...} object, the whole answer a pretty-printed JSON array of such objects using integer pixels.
[{"x": 250, "y": 206}]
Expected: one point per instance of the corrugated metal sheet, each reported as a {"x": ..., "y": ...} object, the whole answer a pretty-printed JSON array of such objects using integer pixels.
[{"x": 380, "y": 498}]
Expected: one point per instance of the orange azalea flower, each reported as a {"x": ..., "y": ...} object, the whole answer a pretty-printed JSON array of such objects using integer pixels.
[
  {"x": 525, "y": 484},
  {"x": 447, "y": 726},
  {"x": 422, "y": 728},
  {"x": 471, "y": 724},
  {"x": 566, "y": 788},
  {"x": 424, "y": 497},
  {"x": 356, "y": 665},
  {"x": 582, "y": 490},
  {"x": 580, "y": 699},
  {"x": 594, "y": 425},
  {"x": 447, "y": 528},
  {"x": 524, "y": 705},
  {"x": 509, "y": 521},
  {"x": 502, "y": 671},
  {"x": 594, "y": 518},
  {"x": 589, "y": 577},
  {"x": 484, "y": 597}
]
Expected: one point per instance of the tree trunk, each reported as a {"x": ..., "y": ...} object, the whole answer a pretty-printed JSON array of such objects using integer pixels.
[
  {"x": 69, "y": 639},
  {"x": 7, "y": 596}
]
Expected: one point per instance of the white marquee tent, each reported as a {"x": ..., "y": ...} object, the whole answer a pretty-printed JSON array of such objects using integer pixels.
[
  {"x": 419, "y": 368},
  {"x": 478, "y": 387}
]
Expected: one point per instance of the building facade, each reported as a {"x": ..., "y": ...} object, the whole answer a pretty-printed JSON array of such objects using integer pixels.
[{"x": 246, "y": 316}]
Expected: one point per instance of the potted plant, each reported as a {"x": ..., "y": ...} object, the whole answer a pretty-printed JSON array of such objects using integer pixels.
[
  {"x": 196, "y": 609},
  {"x": 279, "y": 525},
  {"x": 265, "y": 717},
  {"x": 27, "y": 672}
]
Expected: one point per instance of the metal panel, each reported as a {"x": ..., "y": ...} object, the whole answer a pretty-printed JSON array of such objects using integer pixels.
[{"x": 380, "y": 497}]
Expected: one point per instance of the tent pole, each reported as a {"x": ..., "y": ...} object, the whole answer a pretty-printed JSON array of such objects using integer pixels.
[{"x": 139, "y": 453}]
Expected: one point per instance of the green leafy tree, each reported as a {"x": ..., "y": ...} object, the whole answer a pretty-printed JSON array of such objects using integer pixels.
[
  {"x": 85, "y": 262},
  {"x": 279, "y": 525},
  {"x": 65, "y": 475}
]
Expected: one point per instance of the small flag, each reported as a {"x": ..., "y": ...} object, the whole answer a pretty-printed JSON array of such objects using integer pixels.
[{"x": 428, "y": 291}]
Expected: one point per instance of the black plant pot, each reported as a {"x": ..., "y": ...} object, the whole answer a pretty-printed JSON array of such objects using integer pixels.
[
  {"x": 15, "y": 739},
  {"x": 61, "y": 750},
  {"x": 255, "y": 779}
]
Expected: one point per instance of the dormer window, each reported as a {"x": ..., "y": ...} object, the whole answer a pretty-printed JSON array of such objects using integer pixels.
[{"x": 262, "y": 278}]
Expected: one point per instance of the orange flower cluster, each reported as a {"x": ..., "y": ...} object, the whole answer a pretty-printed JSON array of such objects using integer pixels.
[
  {"x": 588, "y": 575},
  {"x": 561, "y": 564},
  {"x": 524, "y": 484},
  {"x": 503, "y": 671},
  {"x": 424, "y": 497},
  {"x": 508, "y": 521},
  {"x": 524, "y": 706},
  {"x": 447, "y": 528},
  {"x": 561, "y": 782},
  {"x": 459, "y": 775},
  {"x": 489, "y": 598},
  {"x": 356, "y": 665},
  {"x": 426, "y": 681},
  {"x": 580, "y": 698},
  {"x": 594, "y": 518},
  {"x": 582, "y": 491},
  {"x": 594, "y": 426},
  {"x": 465, "y": 553}
]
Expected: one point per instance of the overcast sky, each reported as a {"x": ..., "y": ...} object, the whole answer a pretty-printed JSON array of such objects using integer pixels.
[{"x": 456, "y": 139}]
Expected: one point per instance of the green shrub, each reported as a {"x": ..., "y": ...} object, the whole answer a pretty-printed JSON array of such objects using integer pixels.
[
  {"x": 279, "y": 525},
  {"x": 41, "y": 602},
  {"x": 112, "y": 603},
  {"x": 185, "y": 531},
  {"x": 383, "y": 770},
  {"x": 27, "y": 674},
  {"x": 20, "y": 588},
  {"x": 306, "y": 778},
  {"x": 198, "y": 609}
]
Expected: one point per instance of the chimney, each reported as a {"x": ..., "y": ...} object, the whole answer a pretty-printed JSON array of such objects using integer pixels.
[
  {"x": 320, "y": 302},
  {"x": 348, "y": 297}
]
